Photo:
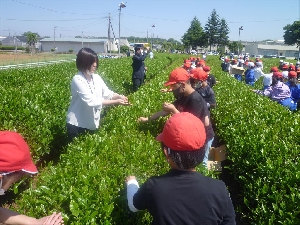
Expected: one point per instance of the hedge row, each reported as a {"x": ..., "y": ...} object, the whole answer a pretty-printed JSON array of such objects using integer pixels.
[
  {"x": 87, "y": 184},
  {"x": 11, "y": 48},
  {"x": 263, "y": 144},
  {"x": 34, "y": 101}
]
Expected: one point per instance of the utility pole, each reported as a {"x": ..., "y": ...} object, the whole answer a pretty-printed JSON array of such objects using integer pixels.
[
  {"x": 15, "y": 43},
  {"x": 81, "y": 39},
  {"x": 240, "y": 28},
  {"x": 147, "y": 35},
  {"x": 121, "y": 5},
  {"x": 54, "y": 39},
  {"x": 109, "y": 48},
  {"x": 152, "y": 36}
]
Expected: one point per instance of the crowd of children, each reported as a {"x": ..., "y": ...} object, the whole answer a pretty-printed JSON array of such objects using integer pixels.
[{"x": 280, "y": 84}]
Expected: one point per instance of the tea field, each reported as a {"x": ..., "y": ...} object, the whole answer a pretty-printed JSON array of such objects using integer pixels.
[{"x": 85, "y": 179}]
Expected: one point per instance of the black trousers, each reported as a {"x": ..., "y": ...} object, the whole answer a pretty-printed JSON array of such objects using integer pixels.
[
  {"x": 136, "y": 83},
  {"x": 74, "y": 131}
]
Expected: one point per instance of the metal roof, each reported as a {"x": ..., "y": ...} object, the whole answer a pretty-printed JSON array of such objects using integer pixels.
[{"x": 85, "y": 40}]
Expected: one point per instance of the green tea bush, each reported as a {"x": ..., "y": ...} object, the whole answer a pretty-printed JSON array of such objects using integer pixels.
[
  {"x": 262, "y": 138},
  {"x": 34, "y": 101},
  {"x": 87, "y": 184}
]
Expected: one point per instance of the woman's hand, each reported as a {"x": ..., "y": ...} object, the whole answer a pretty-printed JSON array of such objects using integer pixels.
[
  {"x": 54, "y": 219},
  {"x": 130, "y": 178},
  {"x": 122, "y": 102},
  {"x": 142, "y": 119}
]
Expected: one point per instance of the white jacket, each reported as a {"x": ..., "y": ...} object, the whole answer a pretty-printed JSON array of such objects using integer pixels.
[{"x": 86, "y": 103}]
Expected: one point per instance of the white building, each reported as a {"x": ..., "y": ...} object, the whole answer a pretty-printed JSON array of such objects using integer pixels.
[
  {"x": 64, "y": 45},
  {"x": 271, "y": 48}
]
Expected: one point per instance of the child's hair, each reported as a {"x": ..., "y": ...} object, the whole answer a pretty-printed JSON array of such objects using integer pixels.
[
  {"x": 275, "y": 80},
  {"x": 86, "y": 57},
  {"x": 293, "y": 81},
  {"x": 186, "y": 159}
]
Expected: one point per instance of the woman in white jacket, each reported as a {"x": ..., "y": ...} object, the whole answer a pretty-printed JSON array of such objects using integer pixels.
[{"x": 89, "y": 95}]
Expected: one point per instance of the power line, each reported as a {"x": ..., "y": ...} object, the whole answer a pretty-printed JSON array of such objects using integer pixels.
[
  {"x": 39, "y": 20},
  {"x": 176, "y": 20},
  {"x": 51, "y": 10}
]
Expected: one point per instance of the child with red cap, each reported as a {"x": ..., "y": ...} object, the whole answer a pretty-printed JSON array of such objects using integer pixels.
[
  {"x": 182, "y": 196},
  {"x": 279, "y": 92},
  {"x": 292, "y": 83},
  {"x": 15, "y": 163},
  {"x": 187, "y": 100},
  {"x": 298, "y": 72},
  {"x": 211, "y": 80},
  {"x": 285, "y": 72},
  {"x": 225, "y": 65},
  {"x": 249, "y": 74},
  {"x": 202, "y": 87}
]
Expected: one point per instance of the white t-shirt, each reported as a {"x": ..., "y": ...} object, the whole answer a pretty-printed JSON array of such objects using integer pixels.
[
  {"x": 151, "y": 55},
  {"x": 285, "y": 74},
  {"x": 267, "y": 81},
  {"x": 258, "y": 73},
  {"x": 86, "y": 103}
]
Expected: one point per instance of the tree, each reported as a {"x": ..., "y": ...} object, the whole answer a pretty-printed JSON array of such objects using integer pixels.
[
  {"x": 223, "y": 38},
  {"x": 194, "y": 36},
  {"x": 167, "y": 46},
  {"x": 292, "y": 33},
  {"x": 212, "y": 29},
  {"x": 235, "y": 46},
  {"x": 28, "y": 32},
  {"x": 124, "y": 49},
  {"x": 31, "y": 39}
]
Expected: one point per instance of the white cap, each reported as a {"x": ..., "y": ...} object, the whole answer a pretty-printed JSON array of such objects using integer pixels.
[
  {"x": 259, "y": 63},
  {"x": 251, "y": 64},
  {"x": 281, "y": 60}
]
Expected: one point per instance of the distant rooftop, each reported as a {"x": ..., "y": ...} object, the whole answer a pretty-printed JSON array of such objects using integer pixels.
[{"x": 51, "y": 39}]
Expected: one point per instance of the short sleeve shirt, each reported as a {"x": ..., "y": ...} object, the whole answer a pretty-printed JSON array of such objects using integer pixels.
[{"x": 195, "y": 105}]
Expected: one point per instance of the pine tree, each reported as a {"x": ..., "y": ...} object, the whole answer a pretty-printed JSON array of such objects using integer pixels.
[
  {"x": 194, "y": 36},
  {"x": 212, "y": 28},
  {"x": 223, "y": 38}
]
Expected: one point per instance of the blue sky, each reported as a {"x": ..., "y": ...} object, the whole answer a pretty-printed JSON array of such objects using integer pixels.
[{"x": 261, "y": 19}]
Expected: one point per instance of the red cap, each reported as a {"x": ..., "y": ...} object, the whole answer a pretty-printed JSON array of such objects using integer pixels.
[
  {"x": 274, "y": 69},
  {"x": 187, "y": 61},
  {"x": 277, "y": 74},
  {"x": 199, "y": 74},
  {"x": 292, "y": 68},
  {"x": 292, "y": 74},
  {"x": 284, "y": 66},
  {"x": 200, "y": 64},
  {"x": 15, "y": 153},
  {"x": 226, "y": 60},
  {"x": 177, "y": 75},
  {"x": 298, "y": 70},
  {"x": 234, "y": 61},
  {"x": 183, "y": 132},
  {"x": 187, "y": 65},
  {"x": 206, "y": 68}
]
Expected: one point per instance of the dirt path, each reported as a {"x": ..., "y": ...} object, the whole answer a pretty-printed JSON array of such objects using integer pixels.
[{"x": 11, "y": 58}]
